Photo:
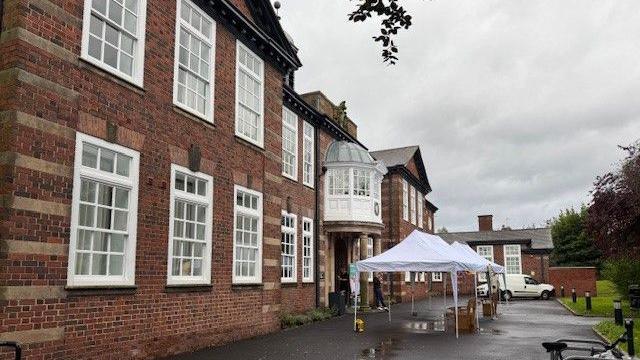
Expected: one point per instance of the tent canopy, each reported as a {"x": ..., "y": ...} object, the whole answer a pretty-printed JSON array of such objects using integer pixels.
[
  {"x": 498, "y": 269},
  {"x": 421, "y": 252}
]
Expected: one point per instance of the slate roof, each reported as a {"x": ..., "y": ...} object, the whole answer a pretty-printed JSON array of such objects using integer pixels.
[
  {"x": 536, "y": 239},
  {"x": 395, "y": 157}
]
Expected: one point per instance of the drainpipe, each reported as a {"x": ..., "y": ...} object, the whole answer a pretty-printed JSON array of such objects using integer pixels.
[
  {"x": 392, "y": 211},
  {"x": 316, "y": 225}
]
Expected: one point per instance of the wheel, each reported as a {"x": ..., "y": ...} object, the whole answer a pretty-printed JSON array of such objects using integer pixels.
[
  {"x": 507, "y": 295},
  {"x": 544, "y": 295}
]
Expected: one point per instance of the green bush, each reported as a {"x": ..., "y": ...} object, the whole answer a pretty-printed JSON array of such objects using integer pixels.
[
  {"x": 622, "y": 273},
  {"x": 288, "y": 320}
]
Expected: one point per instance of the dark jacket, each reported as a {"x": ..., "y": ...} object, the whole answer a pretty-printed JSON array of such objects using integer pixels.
[{"x": 376, "y": 282}]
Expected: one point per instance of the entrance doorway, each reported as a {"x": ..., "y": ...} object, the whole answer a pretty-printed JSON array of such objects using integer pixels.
[{"x": 341, "y": 258}]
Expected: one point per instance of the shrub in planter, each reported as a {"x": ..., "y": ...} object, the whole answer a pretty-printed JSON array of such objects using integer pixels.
[{"x": 622, "y": 273}]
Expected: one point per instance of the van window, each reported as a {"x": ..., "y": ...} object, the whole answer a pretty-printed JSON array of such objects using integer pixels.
[{"x": 530, "y": 281}]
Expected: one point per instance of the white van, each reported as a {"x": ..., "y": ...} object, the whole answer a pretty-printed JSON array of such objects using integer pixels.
[{"x": 520, "y": 285}]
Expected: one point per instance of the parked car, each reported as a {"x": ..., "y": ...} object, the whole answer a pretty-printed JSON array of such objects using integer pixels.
[{"x": 520, "y": 285}]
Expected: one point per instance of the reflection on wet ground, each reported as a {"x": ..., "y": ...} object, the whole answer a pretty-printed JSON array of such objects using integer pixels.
[
  {"x": 425, "y": 326},
  {"x": 384, "y": 350}
]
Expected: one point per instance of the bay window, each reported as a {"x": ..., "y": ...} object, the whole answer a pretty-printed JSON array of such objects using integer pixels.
[
  {"x": 247, "y": 236},
  {"x": 102, "y": 247},
  {"x": 338, "y": 181},
  {"x": 362, "y": 182},
  {"x": 113, "y": 33},
  {"x": 190, "y": 227}
]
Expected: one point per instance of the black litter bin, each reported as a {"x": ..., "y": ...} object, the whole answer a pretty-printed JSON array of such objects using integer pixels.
[
  {"x": 634, "y": 297},
  {"x": 337, "y": 302}
]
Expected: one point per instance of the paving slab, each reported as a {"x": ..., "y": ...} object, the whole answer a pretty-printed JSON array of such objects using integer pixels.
[{"x": 517, "y": 334}]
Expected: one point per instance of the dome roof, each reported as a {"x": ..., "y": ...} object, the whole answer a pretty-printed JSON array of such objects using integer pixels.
[{"x": 344, "y": 151}]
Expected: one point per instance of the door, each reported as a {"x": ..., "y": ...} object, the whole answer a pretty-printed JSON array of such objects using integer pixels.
[
  {"x": 517, "y": 286},
  {"x": 531, "y": 287},
  {"x": 341, "y": 261}
]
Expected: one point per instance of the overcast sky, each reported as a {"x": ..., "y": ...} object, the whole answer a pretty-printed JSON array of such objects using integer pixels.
[{"x": 517, "y": 105}]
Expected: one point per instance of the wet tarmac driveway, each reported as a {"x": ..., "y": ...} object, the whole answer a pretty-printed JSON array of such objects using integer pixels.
[{"x": 517, "y": 334}]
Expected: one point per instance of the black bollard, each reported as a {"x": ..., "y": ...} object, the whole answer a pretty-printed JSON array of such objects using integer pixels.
[
  {"x": 631, "y": 349},
  {"x": 561, "y": 291},
  {"x": 574, "y": 297},
  {"x": 587, "y": 300},
  {"x": 617, "y": 312}
]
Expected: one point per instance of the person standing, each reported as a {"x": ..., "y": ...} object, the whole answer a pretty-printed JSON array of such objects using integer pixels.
[
  {"x": 494, "y": 288},
  {"x": 377, "y": 291},
  {"x": 343, "y": 282}
]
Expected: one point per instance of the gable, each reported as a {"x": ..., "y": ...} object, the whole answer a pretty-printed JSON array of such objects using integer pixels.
[
  {"x": 263, "y": 15},
  {"x": 415, "y": 166}
]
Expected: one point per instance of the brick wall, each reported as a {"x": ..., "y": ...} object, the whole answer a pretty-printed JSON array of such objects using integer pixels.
[
  {"x": 47, "y": 94},
  {"x": 581, "y": 278}
]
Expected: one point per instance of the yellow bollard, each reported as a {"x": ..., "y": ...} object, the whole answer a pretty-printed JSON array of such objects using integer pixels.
[{"x": 359, "y": 325}]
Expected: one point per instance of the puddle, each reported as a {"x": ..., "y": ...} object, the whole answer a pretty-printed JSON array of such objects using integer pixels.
[
  {"x": 425, "y": 326},
  {"x": 383, "y": 350}
]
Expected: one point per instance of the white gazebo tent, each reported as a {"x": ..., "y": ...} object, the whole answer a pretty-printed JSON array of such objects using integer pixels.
[
  {"x": 498, "y": 269},
  {"x": 422, "y": 252}
]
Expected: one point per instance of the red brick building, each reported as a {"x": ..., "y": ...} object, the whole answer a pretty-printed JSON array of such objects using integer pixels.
[
  {"x": 405, "y": 209},
  {"x": 163, "y": 187},
  {"x": 524, "y": 251}
]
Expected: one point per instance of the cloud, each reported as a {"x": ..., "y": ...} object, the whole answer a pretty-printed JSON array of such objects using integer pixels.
[{"x": 517, "y": 105}]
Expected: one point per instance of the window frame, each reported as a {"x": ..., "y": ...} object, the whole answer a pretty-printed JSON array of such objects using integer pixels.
[
  {"x": 132, "y": 184},
  {"x": 309, "y": 233},
  {"x": 482, "y": 276},
  {"x": 207, "y": 200},
  {"x": 294, "y": 129},
  {"x": 519, "y": 256},
  {"x": 311, "y": 149},
  {"x": 137, "y": 76},
  {"x": 331, "y": 188},
  {"x": 294, "y": 232},
  {"x": 412, "y": 202},
  {"x": 239, "y": 66},
  {"x": 420, "y": 206},
  {"x": 257, "y": 279},
  {"x": 405, "y": 200},
  {"x": 209, "y": 100},
  {"x": 436, "y": 277}
]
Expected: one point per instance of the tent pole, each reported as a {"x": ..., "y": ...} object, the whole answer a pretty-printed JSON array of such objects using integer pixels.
[
  {"x": 455, "y": 303},
  {"x": 355, "y": 310},
  {"x": 429, "y": 288},
  {"x": 475, "y": 290},
  {"x": 413, "y": 290}
]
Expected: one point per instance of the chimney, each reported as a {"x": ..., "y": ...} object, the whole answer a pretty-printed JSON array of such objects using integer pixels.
[{"x": 485, "y": 222}]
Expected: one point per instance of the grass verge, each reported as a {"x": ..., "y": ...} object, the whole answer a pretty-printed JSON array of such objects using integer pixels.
[
  {"x": 601, "y": 305},
  {"x": 612, "y": 332}
]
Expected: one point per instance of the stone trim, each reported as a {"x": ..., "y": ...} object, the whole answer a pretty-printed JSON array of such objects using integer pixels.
[
  {"x": 37, "y": 81},
  {"x": 272, "y": 220},
  {"x": 33, "y": 336},
  {"x": 271, "y": 286},
  {"x": 38, "y": 123},
  {"x": 33, "y": 248},
  {"x": 35, "y": 205},
  {"x": 273, "y": 178},
  {"x": 271, "y": 241},
  {"x": 270, "y": 262},
  {"x": 28, "y": 162},
  {"x": 41, "y": 43},
  {"x": 32, "y": 292}
]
